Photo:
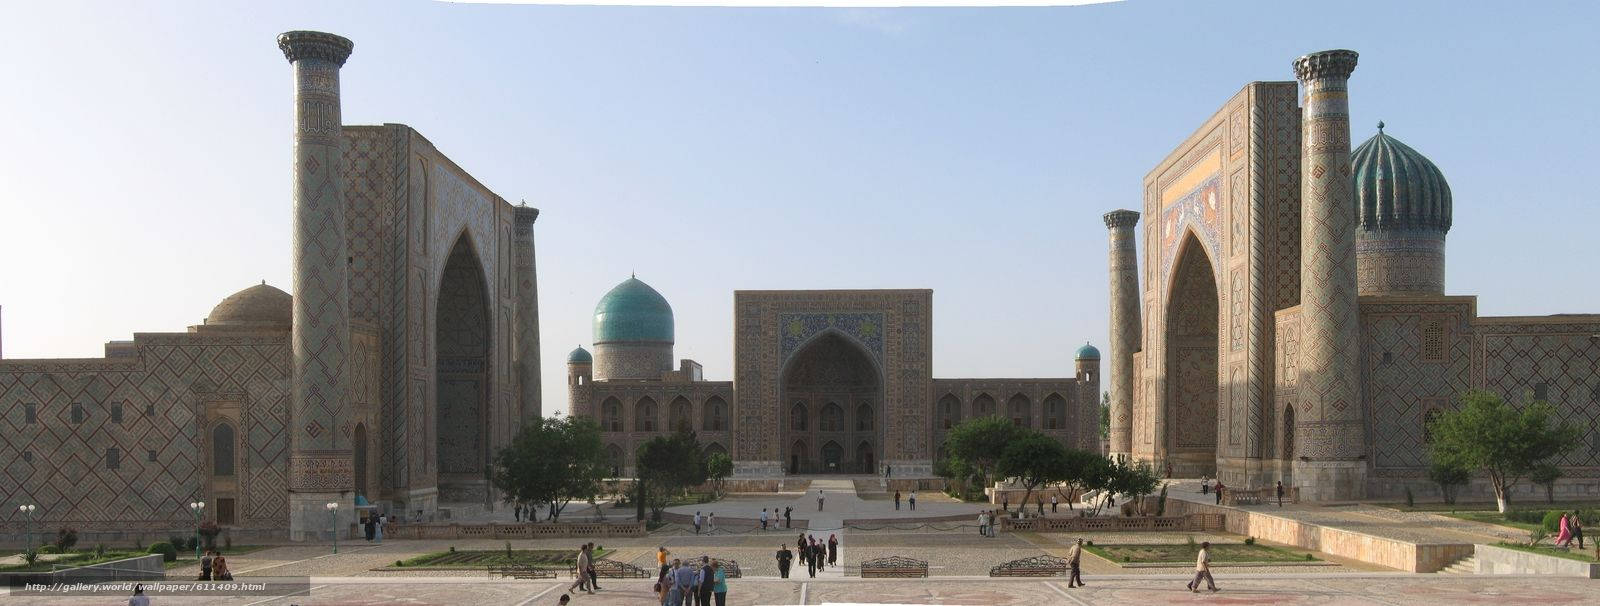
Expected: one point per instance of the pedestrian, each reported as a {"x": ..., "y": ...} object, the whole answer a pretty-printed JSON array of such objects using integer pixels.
[
  {"x": 205, "y": 567},
  {"x": 1073, "y": 559},
  {"x": 378, "y": 529},
  {"x": 720, "y": 589},
  {"x": 993, "y": 523},
  {"x": 888, "y": 470},
  {"x": 706, "y": 582},
  {"x": 594, "y": 577},
  {"x": 784, "y": 557},
  {"x": 675, "y": 591},
  {"x": 1564, "y": 536},
  {"x": 983, "y": 523},
  {"x": 1280, "y": 493},
  {"x": 763, "y": 518},
  {"x": 516, "y": 514},
  {"x": 833, "y": 549},
  {"x": 370, "y": 525},
  {"x": 1040, "y": 502},
  {"x": 1218, "y": 490},
  {"x": 913, "y": 500},
  {"x": 683, "y": 577},
  {"x": 661, "y": 558},
  {"x": 1577, "y": 529},
  {"x": 139, "y": 598},
  {"x": 819, "y": 499},
  {"x": 1005, "y": 503},
  {"x": 581, "y": 571},
  {"x": 897, "y": 500},
  {"x": 1169, "y": 471},
  {"x": 663, "y": 586},
  {"x": 711, "y": 523},
  {"x": 697, "y": 522},
  {"x": 787, "y": 509},
  {"x": 811, "y": 558},
  {"x": 1202, "y": 569},
  {"x": 1052, "y": 503},
  {"x": 219, "y": 568}
]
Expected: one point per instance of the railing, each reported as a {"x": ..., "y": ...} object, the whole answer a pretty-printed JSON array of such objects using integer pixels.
[
  {"x": 510, "y": 531},
  {"x": 1258, "y": 496},
  {"x": 1191, "y": 522},
  {"x": 1036, "y": 566},
  {"x": 613, "y": 569},
  {"x": 894, "y": 567}
]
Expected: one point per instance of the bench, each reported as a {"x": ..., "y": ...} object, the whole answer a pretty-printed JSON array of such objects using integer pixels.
[
  {"x": 612, "y": 569},
  {"x": 894, "y": 567},
  {"x": 1036, "y": 566},
  {"x": 730, "y": 568},
  {"x": 521, "y": 571}
]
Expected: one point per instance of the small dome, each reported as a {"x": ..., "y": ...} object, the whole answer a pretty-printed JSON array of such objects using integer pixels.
[
  {"x": 633, "y": 313},
  {"x": 1397, "y": 187},
  {"x": 1087, "y": 352},
  {"x": 580, "y": 356},
  {"x": 259, "y": 305}
]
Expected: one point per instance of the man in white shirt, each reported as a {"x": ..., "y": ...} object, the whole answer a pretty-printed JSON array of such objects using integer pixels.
[
  {"x": 983, "y": 523},
  {"x": 1202, "y": 569},
  {"x": 1073, "y": 558},
  {"x": 763, "y": 518},
  {"x": 697, "y": 522}
]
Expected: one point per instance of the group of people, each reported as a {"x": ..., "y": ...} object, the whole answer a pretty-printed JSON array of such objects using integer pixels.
[
  {"x": 913, "y": 500},
  {"x": 587, "y": 579},
  {"x": 813, "y": 553},
  {"x": 374, "y": 527},
  {"x": 787, "y": 513},
  {"x": 988, "y": 520},
  {"x": 1570, "y": 529},
  {"x": 687, "y": 584},
  {"x": 710, "y": 520},
  {"x": 214, "y": 567}
]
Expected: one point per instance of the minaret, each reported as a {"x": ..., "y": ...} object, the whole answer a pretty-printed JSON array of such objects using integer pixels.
[
  {"x": 1330, "y": 441},
  {"x": 580, "y": 376},
  {"x": 319, "y": 461},
  {"x": 1125, "y": 327},
  {"x": 527, "y": 315}
]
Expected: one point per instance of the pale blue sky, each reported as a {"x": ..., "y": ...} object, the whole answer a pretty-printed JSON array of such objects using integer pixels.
[{"x": 144, "y": 173}]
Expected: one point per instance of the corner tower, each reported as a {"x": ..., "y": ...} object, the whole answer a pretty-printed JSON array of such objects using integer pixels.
[
  {"x": 633, "y": 333},
  {"x": 1404, "y": 206},
  {"x": 1125, "y": 328},
  {"x": 320, "y": 467}
]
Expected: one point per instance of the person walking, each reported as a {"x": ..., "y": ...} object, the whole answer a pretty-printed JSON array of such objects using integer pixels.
[
  {"x": 1564, "y": 537},
  {"x": 1005, "y": 503},
  {"x": 581, "y": 571},
  {"x": 720, "y": 588},
  {"x": 705, "y": 582},
  {"x": 811, "y": 558},
  {"x": 1577, "y": 529},
  {"x": 1053, "y": 503},
  {"x": 697, "y": 522},
  {"x": 370, "y": 526},
  {"x": 1219, "y": 492},
  {"x": 1202, "y": 569},
  {"x": 913, "y": 500},
  {"x": 594, "y": 577},
  {"x": 784, "y": 558},
  {"x": 897, "y": 500},
  {"x": 1280, "y": 493},
  {"x": 378, "y": 529},
  {"x": 516, "y": 514},
  {"x": 711, "y": 523},
  {"x": 983, "y": 523},
  {"x": 1040, "y": 502},
  {"x": 787, "y": 510},
  {"x": 1073, "y": 559},
  {"x": 763, "y": 518},
  {"x": 819, "y": 499},
  {"x": 833, "y": 549}
]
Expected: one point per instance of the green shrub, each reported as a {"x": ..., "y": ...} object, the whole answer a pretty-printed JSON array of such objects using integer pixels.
[
  {"x": 1525, "y": 516},
  {"x": 1536, "y": 535},
  {"x": 399, "y": 563},
  {"x": 1190, "y": 542},
  {"x": 167, "y": 551},
  {"x": 66, "y": 538},
  {"x": 100, "y": 550},
  {"x": 1551, "y": 521},
  {"x": 30, "y": 556},
  {"x": 452, "y": 549},
  {"x": 1249, "y": 540},
  {"x": 49, "y": 549},
  {"x": 1309, "y": 558}
]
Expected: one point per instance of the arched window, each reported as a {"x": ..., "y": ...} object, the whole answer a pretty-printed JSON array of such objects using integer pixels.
[
  {"x": 682, "y": 413},
  {"x": 983, "y": 406},
  {"x": 832, "y": 417},
  {"x": 1055, "y": 412},
  {"x": 1288, "y": 432},
  {"x": 644, "y": 415},
  {"x": 614, "y": 458},
  {"x": 798, "y": 417},
  {"x": 222, "y": 450},
  {"x": 864, "y": 417},
  {"x": 1020, "y": 410},
  {"x": 949, "y": 411},
  {"x": 716, "y": 415},
  {"x": 611, "y": 415}
]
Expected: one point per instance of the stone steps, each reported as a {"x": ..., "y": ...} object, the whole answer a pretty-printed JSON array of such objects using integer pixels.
[{"x": 1466, "y": 565}]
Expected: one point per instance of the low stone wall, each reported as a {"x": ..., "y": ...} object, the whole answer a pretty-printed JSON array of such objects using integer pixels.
[
  {"x": 1190, "y": 522},
  {"x": 508, "y": 531},
  {"x": 906, "y": 485},
  {"x": 1393, "y": 553},
  {"x": 1493, "y": 559},
  {"x": 731, "y": 523},
  {"x": 960, "y": 517}
]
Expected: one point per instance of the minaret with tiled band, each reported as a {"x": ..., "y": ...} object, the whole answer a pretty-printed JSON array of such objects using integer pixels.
[
  {"x": 320, "y": 466},
  {"x": 1125, "y": 327},
  {"x": 1329, "y": 462},
  {"x": 527, "y": 314}
]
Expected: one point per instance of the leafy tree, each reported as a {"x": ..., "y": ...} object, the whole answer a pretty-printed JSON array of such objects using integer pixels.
[
  {"x": 1135, "y": 479},
  {"x": 718, "y": 466},
  {"x": 1034, "y": 459},
  {"x": 1504, "y": 441},
  {"x": 1546, "y": 474},
  {"x": 1449, "y": 478},
  {"x": 669, "y": 465},
  {"x": 551, "y": 461},
  {"x": 980, "y": 442},
  {"x": 1086, "y": 471},
  {"x": 1105, "y": 414}
]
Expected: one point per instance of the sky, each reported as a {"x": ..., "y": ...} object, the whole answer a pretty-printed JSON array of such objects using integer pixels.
[{"x": 145, "y": 151}]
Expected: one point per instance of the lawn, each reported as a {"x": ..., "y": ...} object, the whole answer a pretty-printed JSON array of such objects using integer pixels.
[
  {"x": 1570, "y": 554},
  {"x": 1185, "y": 553},
  {"x": 543, "y": 558},
  {"x": 1489, "y": 517},
  {"x": 1489, "y": 506}
]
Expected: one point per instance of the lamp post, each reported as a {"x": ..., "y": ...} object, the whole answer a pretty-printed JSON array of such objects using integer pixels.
[
  {"x": 28, "y": 509},
  {"x": 197, "y": 507},
  {"x": 333, "y": 519}
]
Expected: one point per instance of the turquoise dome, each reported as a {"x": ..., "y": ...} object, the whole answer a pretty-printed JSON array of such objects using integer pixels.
[
  {"x": 579, "y": 356},
  {"x": 1398, "y": 188},
  {"x": 633, "y": 313},
  {"x": 1087, "y": 352}
]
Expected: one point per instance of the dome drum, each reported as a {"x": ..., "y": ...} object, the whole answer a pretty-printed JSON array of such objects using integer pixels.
[{"x": 1403, "y": 210}]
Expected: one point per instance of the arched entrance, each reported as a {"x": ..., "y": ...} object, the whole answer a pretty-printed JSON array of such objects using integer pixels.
[
  {"x": 1191, "y": 360},
  {"x": 461, "y": 346},
  {"x": 825, "y": 382}
]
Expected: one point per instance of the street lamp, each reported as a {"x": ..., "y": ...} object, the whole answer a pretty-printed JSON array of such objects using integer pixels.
[
  {"x": 333, "y": 519},
  {"x": 28, "y": 509},
  {"x": 197, "y": 507}
]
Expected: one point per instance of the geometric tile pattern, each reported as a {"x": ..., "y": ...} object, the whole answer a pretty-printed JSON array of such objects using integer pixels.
[
  {"x": 1398, "y": 381},
  {"x": 1561, "y": 355},
  {"x": 1124, "y": 270}
]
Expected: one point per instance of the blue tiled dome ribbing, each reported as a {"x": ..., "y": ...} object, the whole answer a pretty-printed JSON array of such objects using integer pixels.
[
  {"x": 1397, "y": 187},
  {"x": 633, "y": 313}
]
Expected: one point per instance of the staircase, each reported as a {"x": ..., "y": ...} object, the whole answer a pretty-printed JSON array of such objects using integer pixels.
[{"x": 1466, "y": 565}]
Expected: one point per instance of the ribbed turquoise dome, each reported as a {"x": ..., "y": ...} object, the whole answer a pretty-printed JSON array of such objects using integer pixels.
[
  {"x": 1087, "y": 352},
  {"x": 633, "y": 313},
  {"x": 1397, "y": 187},
  {"x": 579, "y": 356}
]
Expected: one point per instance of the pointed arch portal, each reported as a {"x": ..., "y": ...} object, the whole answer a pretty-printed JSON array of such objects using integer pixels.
[{"x": 843, "y": 383}]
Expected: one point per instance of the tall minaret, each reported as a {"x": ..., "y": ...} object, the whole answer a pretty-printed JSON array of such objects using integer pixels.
[
  {"x": 1330, "y": 446},
  {"x": 527, "y": 316},
  {"x": 319, "y": 461},
  {"x": 1125, "y": 327}
]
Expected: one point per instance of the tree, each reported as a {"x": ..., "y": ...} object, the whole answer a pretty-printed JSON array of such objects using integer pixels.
[
  {"x": 1449, "y": 478},
  {"x": 718, "y": 467},
  {"x": 979, "y": 443},
  {"x": 1105, "y": 414},
  {"x": 552, "y": 461},
  {"x": 1506, "y": 442},
  {"x": 1034, "y": 459},
  {"x": 1546, "y": 474},
  {"x": 1135, "y": 479},
  {"x": 669, "y": 465},
  {"x": 1086, "y": 471}
]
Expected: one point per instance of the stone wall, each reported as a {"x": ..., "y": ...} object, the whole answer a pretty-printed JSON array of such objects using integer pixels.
[
  {"x": 1393, "y": 553},
  {"x": 1491, "y": 559}
]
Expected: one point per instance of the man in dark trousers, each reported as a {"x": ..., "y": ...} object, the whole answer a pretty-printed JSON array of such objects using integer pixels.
[
  {"x": 787, "y": 510},
  {"x": 1219, "y": 492},
  {"x": 1076, "y": 580},
  {"x": 897, "y": 500},
  {"x": 1280, "y": 493},
  {"x": 811, "y": 558},
  {"x": 784, "y": 557},
  {"x": 708, "y": 582}
]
